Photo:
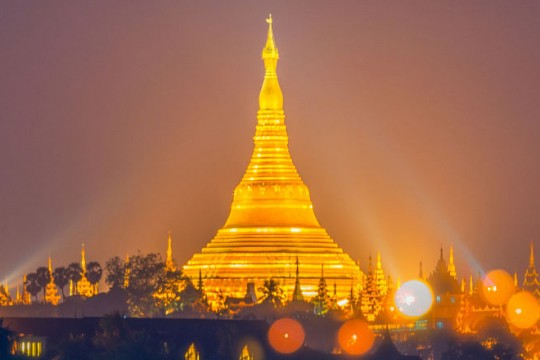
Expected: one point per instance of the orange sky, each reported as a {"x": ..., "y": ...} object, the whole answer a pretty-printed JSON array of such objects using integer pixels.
[{"x": 414, "y": 124}]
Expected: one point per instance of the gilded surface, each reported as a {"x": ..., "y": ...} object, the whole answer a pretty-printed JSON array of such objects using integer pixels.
[{"x": 271, "y": 222}]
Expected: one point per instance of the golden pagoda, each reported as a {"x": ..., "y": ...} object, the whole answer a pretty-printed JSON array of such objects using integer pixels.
[
  {"x": 84, "y": 288},
  {"x": 271, "y": 221},
  {"x": 51, "y": 292}
]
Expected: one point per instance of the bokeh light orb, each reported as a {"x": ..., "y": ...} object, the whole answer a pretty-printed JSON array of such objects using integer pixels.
[
  {"x": 286, "y": 335},
  {"x": 355, "y": 337},
  {"x": 497, "y": 287},
  {"x": 523, "y": 310},
  {"x": 414, "y": 298}
]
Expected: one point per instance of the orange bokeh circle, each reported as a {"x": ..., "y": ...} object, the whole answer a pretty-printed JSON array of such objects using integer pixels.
[
  {"x": 523, "y": 310},
  {"x": 286, "y": 335},
  {"x": 355, "y": 337},
  {"x": 498, "y": 287}
]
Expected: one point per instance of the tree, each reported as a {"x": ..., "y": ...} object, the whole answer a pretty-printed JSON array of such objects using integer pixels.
[
  {"x": 74, "y": 272},
  {"x": 43, "y": 278},
  {"x": 167, "y": 296},
  {"x": 116, "y": 272},
  {"x": 321, "y": 301},
  {"x": 32, "y": 285},
  {"x": 147, "y": 274},
  {"x": 94, "y": 273},
  {"x": 61, "y": 279},
  {"x": 272, "y": 293}
]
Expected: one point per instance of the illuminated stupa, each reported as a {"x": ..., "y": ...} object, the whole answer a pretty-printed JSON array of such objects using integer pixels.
[{"x": 271, "y": 223}]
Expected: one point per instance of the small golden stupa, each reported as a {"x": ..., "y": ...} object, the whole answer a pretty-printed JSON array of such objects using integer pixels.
[{"x": 271, "y": 224}]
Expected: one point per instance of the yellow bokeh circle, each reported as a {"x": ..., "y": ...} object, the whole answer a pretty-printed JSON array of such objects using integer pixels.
[
  {"x": 498, "y": 287},
  {"x": 523, "y": 310}
]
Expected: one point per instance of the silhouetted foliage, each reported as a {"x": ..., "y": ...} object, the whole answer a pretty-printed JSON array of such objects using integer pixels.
[
  {"x": 74, "y": 273},
  {"x": 32, "y": 285},
  {"x": 43, "y": 277},
  {"x": 116, "y": 271},
  {"x": 77, "y": 347},
  {"x": 466, "y": 351},
  {"x": 272, "y": 293},
  {"x": 94, "y": 273},
  {"x": 61, "y": 278}
]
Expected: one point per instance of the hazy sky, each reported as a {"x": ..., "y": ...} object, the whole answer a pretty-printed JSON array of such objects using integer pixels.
[{"x": 414, "y": 124}]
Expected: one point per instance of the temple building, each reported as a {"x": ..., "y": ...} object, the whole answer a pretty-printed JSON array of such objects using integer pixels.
[
  {"x": 271, "y": 221},
  {"x": 530, "y": 281},
  {"x": 447, "y": 292}
]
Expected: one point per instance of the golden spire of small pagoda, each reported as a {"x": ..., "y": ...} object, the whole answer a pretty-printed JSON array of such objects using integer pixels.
[
  {"x": 51, "y": 292},
  {"x": 84, "y": 288},
  {"x": 297, "y": 292},
  {"x": 169, "y": 263},
  {"x": 83, "y": 259},
  {"x": 531, "y": 256},
  {"x": 451, "y": 265},
  {"x": 380, "y": 278},
  {"x": 26, "y": 299}
]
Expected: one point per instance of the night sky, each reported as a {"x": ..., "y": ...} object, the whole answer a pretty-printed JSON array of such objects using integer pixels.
[{"x": 415, "y": 124}]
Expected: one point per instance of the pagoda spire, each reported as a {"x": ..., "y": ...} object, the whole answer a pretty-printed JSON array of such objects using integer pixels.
[
  {"x": 51, "y": 292},
  {"x": 271, "y": 97},
  {"x": 531, "y": 256},
  {"x": 83, "y": 259},
  {"x": 451, "y": 265},
  {"x": 297, "y": 292},
  {"x": 421, "y": 272},
  {"x": 26, "y": 299},
  {"x": 84, "y": 288},
  {"x": 380, "y": 278},
  {"x": 169, "y": 263}
]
